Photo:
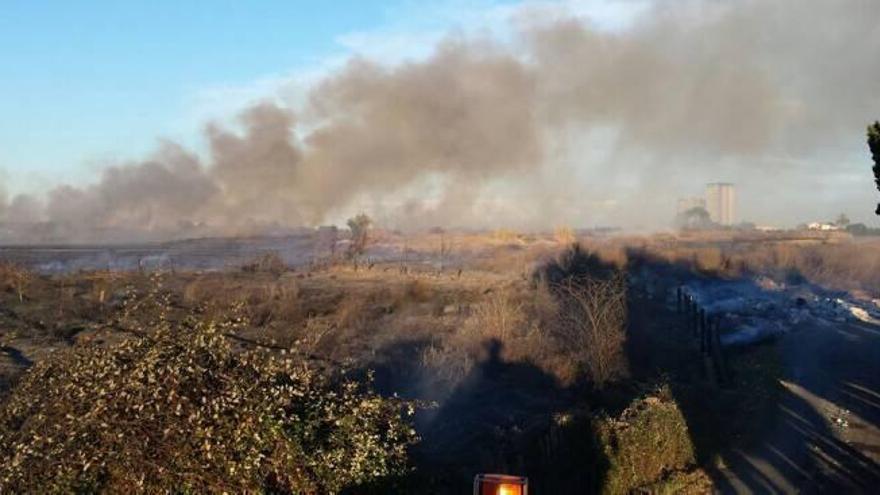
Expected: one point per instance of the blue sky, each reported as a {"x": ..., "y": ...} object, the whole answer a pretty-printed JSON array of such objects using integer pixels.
[{"x": 83, "y": 84}]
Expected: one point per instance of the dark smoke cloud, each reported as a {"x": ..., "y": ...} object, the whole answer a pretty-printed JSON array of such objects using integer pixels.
[
  {"x": 257, "y": 173},
  {"x": 768, "y": 94},
  {"x": 153, "y": 195},
  {"x": 467, "y": 113}
]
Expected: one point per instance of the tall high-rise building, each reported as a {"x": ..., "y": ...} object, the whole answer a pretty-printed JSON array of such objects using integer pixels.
[{"x": 721, "y": 202}]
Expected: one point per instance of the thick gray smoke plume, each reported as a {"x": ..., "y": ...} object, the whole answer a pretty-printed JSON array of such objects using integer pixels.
[{"x": 566, "y": 124}]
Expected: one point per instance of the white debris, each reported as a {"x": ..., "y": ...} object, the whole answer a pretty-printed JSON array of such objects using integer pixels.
[
  {"x": 860, "y": 314},
  {"x": 853, "y": 311},
  {"x": 840, "y": 419},
  {"x": 754, "y": 310},
  {"x": 766, "y": 283}
]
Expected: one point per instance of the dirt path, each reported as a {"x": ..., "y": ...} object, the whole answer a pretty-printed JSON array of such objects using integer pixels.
[{"x": 825, "y": 434}]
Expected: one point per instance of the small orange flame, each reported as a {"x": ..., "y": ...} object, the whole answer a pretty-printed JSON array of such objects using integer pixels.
[
  {"x": 508, "y": 489},
  {"x": 499, "y": 484}
]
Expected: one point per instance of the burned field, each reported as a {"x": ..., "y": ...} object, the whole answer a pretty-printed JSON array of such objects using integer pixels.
[{"x": 497, "y": 353}]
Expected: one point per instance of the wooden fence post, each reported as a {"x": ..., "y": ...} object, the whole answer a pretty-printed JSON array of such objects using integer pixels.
[
  {"x": 678, "y": 299},
  {"x": 701, "y": 318},
  {"x": 718, "y": 353},
  {"x": 690, "y": 314}
]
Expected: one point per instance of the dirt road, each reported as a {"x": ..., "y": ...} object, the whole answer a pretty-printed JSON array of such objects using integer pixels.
[{"x": 825, "y": 433}]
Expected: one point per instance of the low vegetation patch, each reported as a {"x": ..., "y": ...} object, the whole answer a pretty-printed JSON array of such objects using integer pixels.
[
  {"x": 649, "y": 442},
  {"x": 15, "y": 279},
  {"x": 161, "y": 398},
  {"x": 179, "y": 410}
]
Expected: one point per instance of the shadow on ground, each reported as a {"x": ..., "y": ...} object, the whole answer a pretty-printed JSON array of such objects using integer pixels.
[
  {"x": 772, "y": 429},
  {"x": 501, "y": 418},
  {"x": 801, "y": 414}
]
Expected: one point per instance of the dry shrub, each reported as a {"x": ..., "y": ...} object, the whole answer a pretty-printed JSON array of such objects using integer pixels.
[
  {"x": 501, "y": 316},
  {"x": 270, "y": 262},
  {"x": 264, "y": 301},
  {"x": 102, "y": 285},
  {"x": 572, "y": 329},
  {"x": 353, "y": 312},
  {"x": 313, "y": 334},
  {"x": 506, "y": 259},
  {"x": 419, "y": 290},
  {"x": 649, "y": 440},
  {"x": 273, "y": 302},
  {"x": 541, "y": 345},
  {"x": 614, "y": 255},
  {"x": 91, "y": 296},
  {"x": 564, "y": 236},
  {"x": 204, "y": 290},
  {"x": 449, "y": 362},
  {"x": 709, "y": 260},
  {"x": 179, "y": 411},
  {"x": 65, "y": 303},
  {"x": 574, "y": 263},
  {"x": 592, "y": 325},
  {"x": 543, "y": 305},
  {"x": 521, "y": 320},
  {"x": 590, "y": 321},
  {"x": 701, "y": 260},
  {"x": 335, "y": 334},
  {"x": 14, "y": 278},
  {"x": 506, "y": 236},
  {"x": 844, "y": 266}
]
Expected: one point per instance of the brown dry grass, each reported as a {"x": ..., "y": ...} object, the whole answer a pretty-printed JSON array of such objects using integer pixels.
[
  {"x": 435, "y": 325},
  {"x": 845, "y": 265},
  {"x": 564, "y": 236},
  {"x": 265, "y": 298}
]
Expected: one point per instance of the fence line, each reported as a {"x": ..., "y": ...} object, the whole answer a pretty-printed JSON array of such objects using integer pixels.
[{"x": 706, "y": 328}]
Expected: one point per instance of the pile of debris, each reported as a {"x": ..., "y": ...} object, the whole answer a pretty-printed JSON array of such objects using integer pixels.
[{"x": 759, "y": 309}]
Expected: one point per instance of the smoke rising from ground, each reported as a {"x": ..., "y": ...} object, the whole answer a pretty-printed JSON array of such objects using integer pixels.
[{"x": 565, "y": 124}]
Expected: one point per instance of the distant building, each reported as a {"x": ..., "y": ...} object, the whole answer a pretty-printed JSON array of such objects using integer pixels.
[
  {"x": 721, "y": 202},
  {"x": 685, "y": 204},
  {"x": 823, "y": 226}
]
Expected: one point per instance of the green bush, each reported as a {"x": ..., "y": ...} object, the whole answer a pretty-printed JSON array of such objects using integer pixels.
[
  {"x": 177, "y": 409},
  {"x": 649, "y": 441}
]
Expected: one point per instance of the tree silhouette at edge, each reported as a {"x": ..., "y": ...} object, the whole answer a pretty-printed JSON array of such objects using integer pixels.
[{"x": 874, "y": 145}]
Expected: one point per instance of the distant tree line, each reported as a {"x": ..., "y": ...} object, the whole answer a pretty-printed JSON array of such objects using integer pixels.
[
  {"x": 860, "y": 229},
  {"x": 696, "y": 218}
]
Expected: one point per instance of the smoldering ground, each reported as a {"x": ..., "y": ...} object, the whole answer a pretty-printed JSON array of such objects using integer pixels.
[{"x": 565, "y": 123}]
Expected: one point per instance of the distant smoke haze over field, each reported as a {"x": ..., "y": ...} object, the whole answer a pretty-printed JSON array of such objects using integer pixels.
[{"x": 562, "y": 123}]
